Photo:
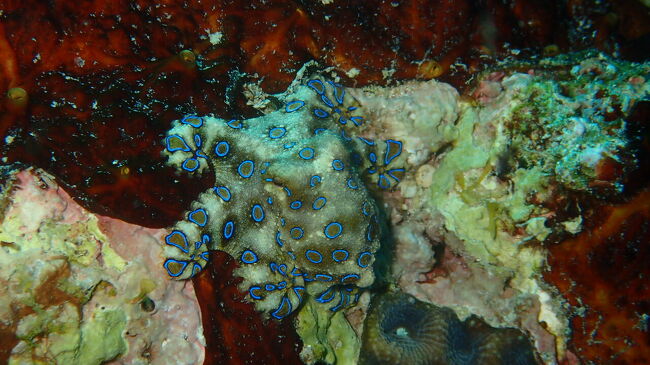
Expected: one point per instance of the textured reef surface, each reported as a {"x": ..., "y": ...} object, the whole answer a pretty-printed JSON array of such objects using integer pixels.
[
  {"x": 511, "y": 200},
  {"x": 90, "y": 77},
  {"x": 402, "y": 330},
  {"x": 79, "y": 288},
  {"x": 289, "y": 202}
]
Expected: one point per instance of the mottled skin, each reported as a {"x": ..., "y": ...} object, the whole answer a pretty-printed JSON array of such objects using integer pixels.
[{"x": 290, "y": 200}]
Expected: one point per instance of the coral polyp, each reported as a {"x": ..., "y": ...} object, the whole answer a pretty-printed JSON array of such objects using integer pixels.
[
  {"x": 400, "y": 329},
  {"x": 289, "y": 202}
]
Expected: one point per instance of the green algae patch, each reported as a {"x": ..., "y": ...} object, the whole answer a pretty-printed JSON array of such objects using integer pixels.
[
  {"x": 101, "y": 338},
  {"x": 327, "y": 336}
]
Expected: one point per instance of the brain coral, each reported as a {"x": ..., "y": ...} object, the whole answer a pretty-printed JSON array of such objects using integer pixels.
[
  {"x": 290, "y": 201},
  {"x": 400, "y": 329}
]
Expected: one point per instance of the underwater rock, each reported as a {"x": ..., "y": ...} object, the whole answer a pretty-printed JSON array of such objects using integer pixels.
[
  {"x": 503, "y": 177},
  {"x": 290, "y": 200},
  {"x": 400, "y": 329},
  {"x": 78, "y": 288}
]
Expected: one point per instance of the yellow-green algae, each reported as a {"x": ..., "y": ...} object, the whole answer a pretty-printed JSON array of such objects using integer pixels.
[
  {"x": 38, "y": 249},
  {"x": 68, "y": 295},
  {"x": 327, "y": 336}
]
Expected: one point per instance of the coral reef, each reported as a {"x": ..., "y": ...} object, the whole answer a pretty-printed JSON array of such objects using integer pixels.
[
  {"x": 400, "y": 329},
  {"x": 498, "y": 179},
  {"x": 289, "y": 202},
  {"x": 77, "y": 288},
  {"x": 109, "y": 73}
]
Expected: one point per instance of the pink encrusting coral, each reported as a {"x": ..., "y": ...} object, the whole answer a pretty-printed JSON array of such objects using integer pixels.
[{"x": 79, "y": 288}]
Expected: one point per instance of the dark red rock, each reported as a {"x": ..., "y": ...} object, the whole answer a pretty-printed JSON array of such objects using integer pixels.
[{"x": 234, "y": 332}]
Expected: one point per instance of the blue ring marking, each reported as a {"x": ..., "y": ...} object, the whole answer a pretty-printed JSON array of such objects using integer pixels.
[
  {"x": 205, "y": 239},
  {"x": 321, "y": 113},
  {"x": 264, "y": 166},
  {"x": 363, "y": 208},
  {"x": 281, "y": 285},
  {"x": 251, "y": 259},
  {"x": 295, "y": 205},
  {"x": 318, "y": 131},
  {"x": 282, "y": 269},
  {"x": 352, "y": 108},
  {"x": 223, "y": 193},
  {"x": 291, "y": 254},
  {"x": 323, "y": 277},
  {"x": 278, "y": 240},
  {"x": 200, "y": 153},
  {"x": 362, "y": 255},
  {"x": 372, "y": 157},
  {"x": 197, "y": 141},
  {"x": 235, "y": 124},
  {"x": 255, "y": 296},
  {"x": 287, "y": 190},
  {"x": 383, "y": 182},
  {"x": 340, "y": 260},
  {"x": 390, "y": 144},
  {"x": 296, "y": 233},
  {"x": 336, "y": 88},
  {"x": 289, "y": 145},
  {"x": 269, "y": 200},
  {"x": 257, "y": 213},
  {"x": 344, "y": 136},
  {"x": 366, "y": 141},
  {"x": 285, "y": 306},
  {"x": 184, "y": 166},
  {"x": 298, "y": 291},
  {"x": 342, "y": 120},
  {"x": 196, "y": 124},
  {"x": 269, "y": 179},
  {"x": 349, "y": 276},
  {"x": 319, "y": 256},
  {"x": 391, "y": 172},
  {"x": 269, "y": 287},
  {"x": 296, "y": 272},
  {"x": 306, "y": 153},
  {"x": 327, "y": 101},
  {"x": 369, "y": 232},
  {"x": 292, "y": 106},
  {"x": 337, "y": 110},
  {"x": 228, "y": 230},
  {"x": 314, "y": 179},
  {"x": 190, "y": 217},
  {"x": 220, "y": 146},
  {"x": 319, "y": 203},
  {"x": 372, "y": 170},
  {"x": 282, "y": 221},
  {"x": 180, "y": 272},
  {"x": 185, "y": 147},
  {"x": 357, "y": 120},
  {"x": 342, "y": 303},
  {"x": 277, "y": 132},
  {"x": 319, "y": 84},
  {"x": 248, "y": 163},
  {"x": 338, "y": 165},
  {"x": 196, "y": 268},
  {"x": 336, "y": 225},
  {"x": 352, "y": 184},
  {"x": 185, "y": 243},
  {"x": 326, "y": 296},
  {"x": 205, "y": 255}
]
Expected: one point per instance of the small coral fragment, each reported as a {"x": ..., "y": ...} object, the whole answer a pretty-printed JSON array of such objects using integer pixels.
[
  {"x": 400, "y": 329},
  {"x": 290, "y": 201}
]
